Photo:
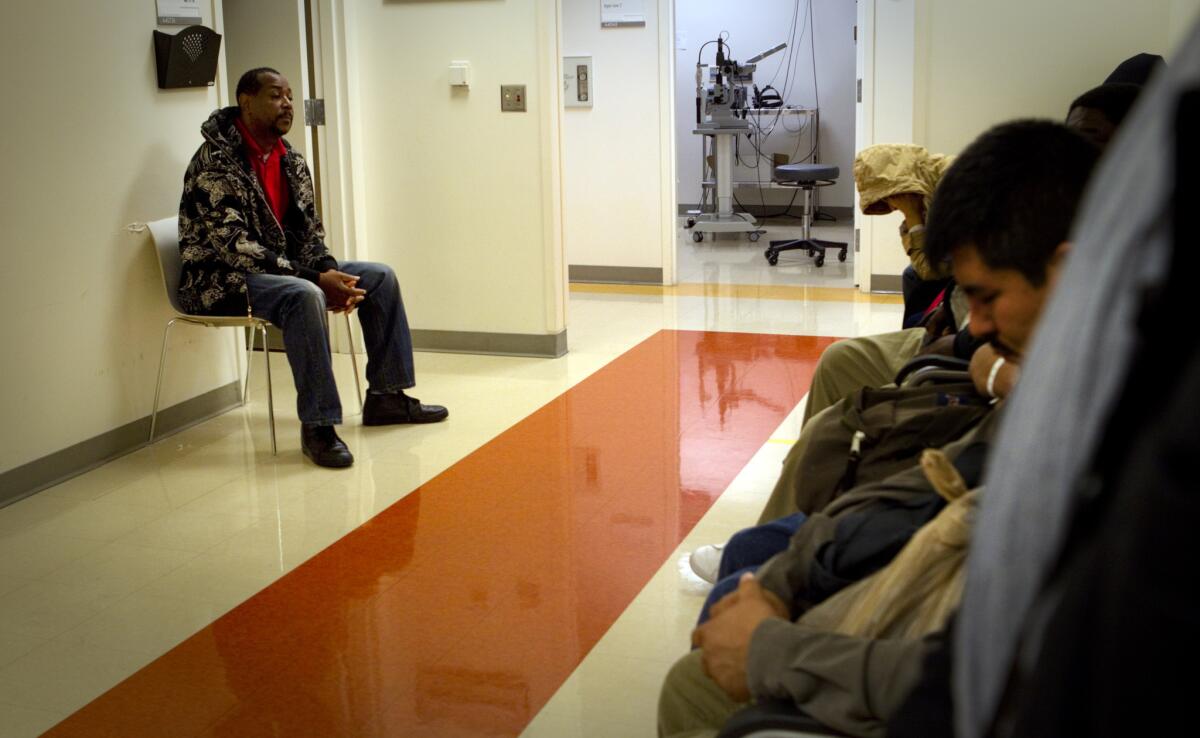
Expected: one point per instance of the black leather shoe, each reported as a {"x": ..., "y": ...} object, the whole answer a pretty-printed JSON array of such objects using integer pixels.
[
  {"x": 321, "y": 444},
  {"x": 398, "y": 407}
]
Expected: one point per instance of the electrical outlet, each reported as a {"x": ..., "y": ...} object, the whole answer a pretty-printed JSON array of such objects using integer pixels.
[{"x": 512, "y": 98}]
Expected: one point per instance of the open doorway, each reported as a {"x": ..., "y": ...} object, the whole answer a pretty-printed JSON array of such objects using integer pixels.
[{"x": 798, "y": 108}]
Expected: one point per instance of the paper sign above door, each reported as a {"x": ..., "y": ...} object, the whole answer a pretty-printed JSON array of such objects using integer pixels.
[
  {"x": 178, "y": 12},
  {"x": 622, "y": 13}
]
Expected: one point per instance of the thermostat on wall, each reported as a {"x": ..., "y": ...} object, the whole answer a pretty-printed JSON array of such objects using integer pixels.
[{"x": 460, "y": 74}]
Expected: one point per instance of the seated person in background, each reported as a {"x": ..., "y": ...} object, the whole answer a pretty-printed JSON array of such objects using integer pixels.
[
  {"x": 1099, "y": 112},
  {"x": 252, "y": 242},
  {"x": 1137, "y": 70},
  {"x": 902, "y": 177},
  {"x": 1007, "y": 249}
]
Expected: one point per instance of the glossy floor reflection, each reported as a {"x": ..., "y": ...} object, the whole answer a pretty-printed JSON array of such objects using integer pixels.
[
  {"x": 462, "y": 608},
  {"x": 103, "y": 574}
]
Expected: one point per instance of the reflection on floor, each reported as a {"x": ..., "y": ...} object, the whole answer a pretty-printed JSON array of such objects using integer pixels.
[
  {"x": 464, "y": 606},
  {"x": 102, "y": 575}
]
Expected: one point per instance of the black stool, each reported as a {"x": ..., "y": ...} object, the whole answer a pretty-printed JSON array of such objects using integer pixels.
[{"x": 807, "y": 177}]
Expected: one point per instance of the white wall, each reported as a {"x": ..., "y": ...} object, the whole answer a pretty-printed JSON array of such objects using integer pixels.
[
  {"x": 91, "y": 145},
  {"x": 462, "y": 199},
  {"x": 266, "y": 33},
  {"x": 989, "y": 62},
  {"x": 618, "y": 209},
  {"x": 976, "y": 63},
  {"x": 1184, "y": 16},
  {"x": 753, "y": 28}
]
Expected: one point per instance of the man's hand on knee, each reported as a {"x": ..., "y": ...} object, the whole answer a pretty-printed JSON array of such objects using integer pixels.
[
  {"x": 341, "y": 292},
  {"x": 725, "y": 639}
]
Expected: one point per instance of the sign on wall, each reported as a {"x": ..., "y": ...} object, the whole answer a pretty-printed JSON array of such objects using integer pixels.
[
  {"x": 178, "y": 12},
  {"x": 622, "y": 13}
]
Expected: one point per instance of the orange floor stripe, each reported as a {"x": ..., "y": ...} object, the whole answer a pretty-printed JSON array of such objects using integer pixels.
[{"x": 463, "y": 607}]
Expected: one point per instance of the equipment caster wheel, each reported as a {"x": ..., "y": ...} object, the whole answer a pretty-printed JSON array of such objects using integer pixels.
[
  {"x": 820, "y": 260},
  {"x": 691, "y": 222},
  {"x": 772, "y": 257},
  {"x": 697, "y": 236},
  {"x": 842, "y": 255},
  {"x": 753, "y": 236}
]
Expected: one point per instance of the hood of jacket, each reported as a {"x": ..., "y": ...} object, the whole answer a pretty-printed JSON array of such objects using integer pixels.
[
  {"x": 222, "y": 132},
  {"x": 891, "y": 169}
]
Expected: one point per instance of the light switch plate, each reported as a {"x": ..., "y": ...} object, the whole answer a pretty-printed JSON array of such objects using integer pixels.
[
  {"x": 578, "y": 84},
  {"x": 512, "y": 98}
]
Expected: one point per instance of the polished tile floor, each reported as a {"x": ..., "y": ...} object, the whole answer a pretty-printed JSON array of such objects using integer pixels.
[{"x": 521, "y": 567}]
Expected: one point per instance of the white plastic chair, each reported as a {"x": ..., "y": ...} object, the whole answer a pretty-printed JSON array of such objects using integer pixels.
[{"x": 165, "y": 235}]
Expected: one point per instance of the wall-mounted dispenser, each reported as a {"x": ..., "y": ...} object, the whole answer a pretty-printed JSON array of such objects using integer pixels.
[{"x": 187, "y": 59}]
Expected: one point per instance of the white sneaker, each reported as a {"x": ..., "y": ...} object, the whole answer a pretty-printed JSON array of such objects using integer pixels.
[{"x": 706, "y": 562}]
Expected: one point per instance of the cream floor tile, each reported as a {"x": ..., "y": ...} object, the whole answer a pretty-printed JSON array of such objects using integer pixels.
[
  {"x": 9, "y": 582},
  {"x": 247, "y": 562},
  {"x": 555, "y": 725},
  {"x": 14, "y": 645},
  {"x": 68, "y": 596},
  {"x": 649, "y": 629},
  {"x": 36, "y": 552},
  {"x": 145, "y": 623},
  {"x": 61, "y": 676},
  {"x": 99, "y": 520},
  {"x": 257, "y": 495},
  {"x": 103, "y": 479},
  {"x": 20, "y": 722},
  {"x": 184, "y": 530},
  {"x": 43, "y": 610},
  {"x": 32, "y": 512},
  {"x": 609, "y": 689},
  {"x": 175, "y": 484},
  {"x": 117, "y": 570}
]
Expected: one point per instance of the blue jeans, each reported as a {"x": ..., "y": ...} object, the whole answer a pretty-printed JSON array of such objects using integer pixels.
[
  {"x": 747, "y": 550},
  {"x": 298, "y": 308}
]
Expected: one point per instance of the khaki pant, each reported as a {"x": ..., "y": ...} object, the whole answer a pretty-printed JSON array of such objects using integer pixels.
[
  {"x": 868, "y": 361},
  {"x": 782, "y": 501},
  {"x": 691, "y": 704}
]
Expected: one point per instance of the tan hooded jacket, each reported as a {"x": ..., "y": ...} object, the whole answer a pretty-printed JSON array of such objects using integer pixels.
[{"x": 895, "y": 169}]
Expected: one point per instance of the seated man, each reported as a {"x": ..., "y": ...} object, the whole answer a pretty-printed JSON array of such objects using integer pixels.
[
  {"x": 252, "y": 243},
  {"x": 1008, "y": 245}
]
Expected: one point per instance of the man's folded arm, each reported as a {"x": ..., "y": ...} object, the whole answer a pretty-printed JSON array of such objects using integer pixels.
[{"x": 848, "y": 683}]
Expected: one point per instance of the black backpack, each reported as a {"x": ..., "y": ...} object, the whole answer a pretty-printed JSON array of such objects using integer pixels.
[{"x": 878, "y": 432}]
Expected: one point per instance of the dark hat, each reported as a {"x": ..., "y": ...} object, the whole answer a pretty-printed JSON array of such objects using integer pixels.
[{"x": 1136, "y": 70}]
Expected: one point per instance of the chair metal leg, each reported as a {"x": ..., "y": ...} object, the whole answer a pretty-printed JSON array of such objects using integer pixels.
[
  {"x": 248, "y": 337},
  {"x": 270, "y": 391},
  {"x": 162, "y": 362},
  {"x": 354, "y": 363}
]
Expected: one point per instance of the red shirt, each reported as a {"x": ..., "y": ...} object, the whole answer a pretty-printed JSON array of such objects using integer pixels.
[{"x": 269, "y": 168}]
